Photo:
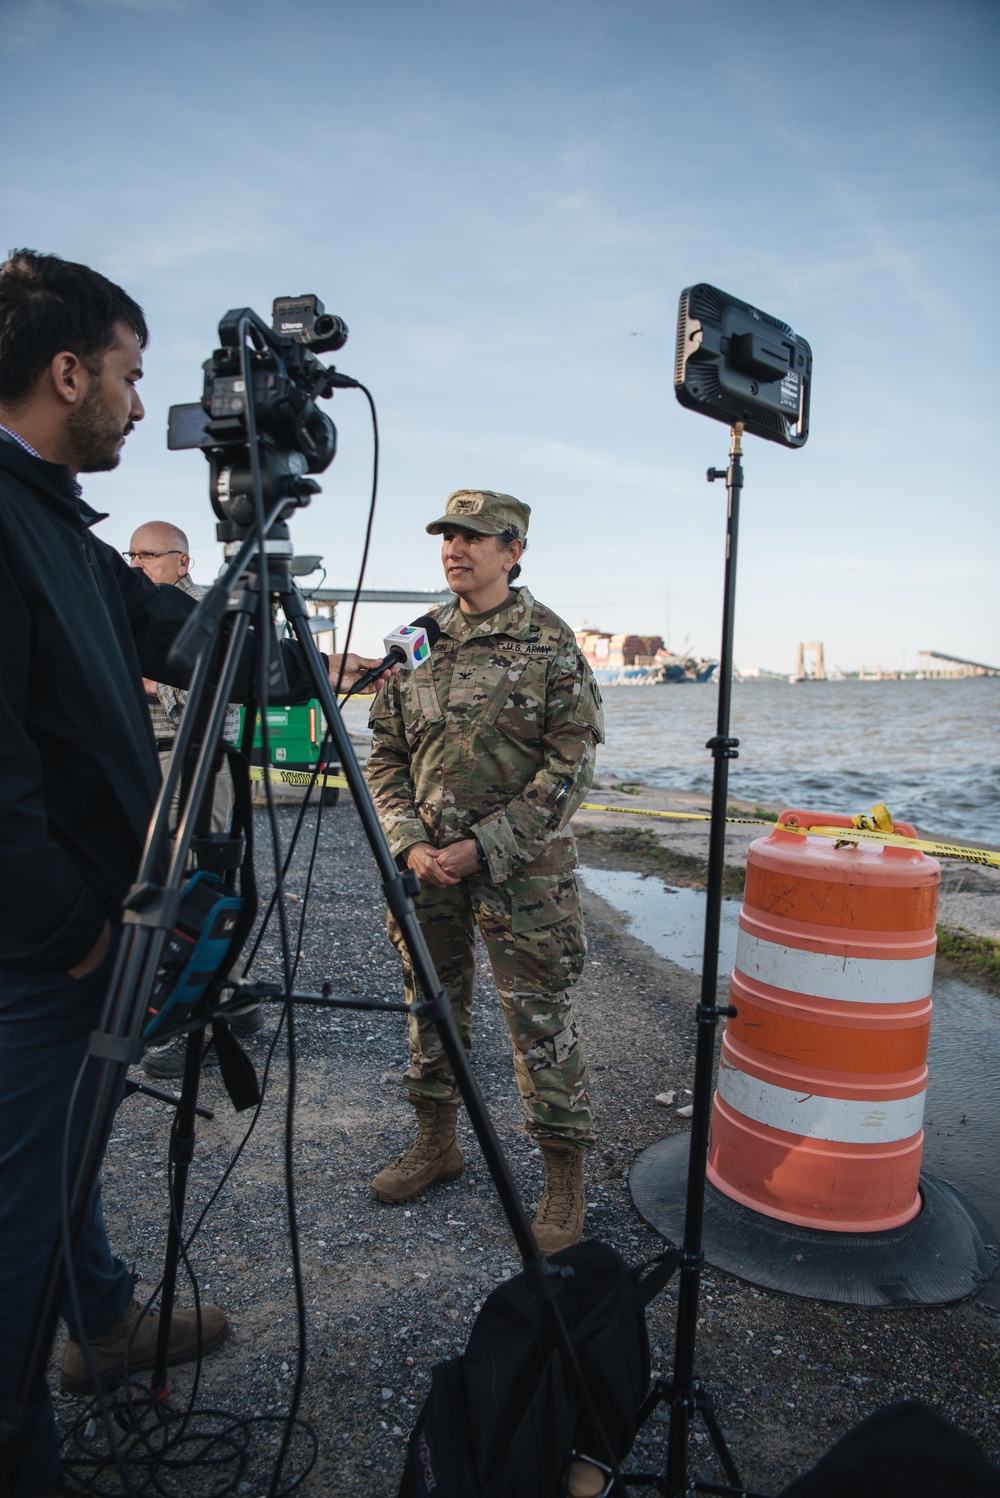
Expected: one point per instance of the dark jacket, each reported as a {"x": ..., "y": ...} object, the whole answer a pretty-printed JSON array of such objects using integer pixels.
[{"x": 79, "y": 773}]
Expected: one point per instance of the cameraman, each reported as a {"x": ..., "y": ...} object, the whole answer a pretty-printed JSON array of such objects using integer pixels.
[{"x": 79, "y": 776}]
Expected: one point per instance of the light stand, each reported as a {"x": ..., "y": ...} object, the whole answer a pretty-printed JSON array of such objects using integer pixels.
[{"x": 685, "y": 1396}]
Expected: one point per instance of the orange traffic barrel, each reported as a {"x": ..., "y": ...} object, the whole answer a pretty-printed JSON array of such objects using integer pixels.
[{"x": 818, "y": 1113}]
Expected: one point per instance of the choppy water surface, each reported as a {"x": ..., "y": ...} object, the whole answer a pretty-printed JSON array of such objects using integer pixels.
[{"x": 928, "y": 749}]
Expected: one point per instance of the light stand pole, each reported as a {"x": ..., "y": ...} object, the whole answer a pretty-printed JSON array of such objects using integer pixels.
[{"x": 686, "y": 1392}]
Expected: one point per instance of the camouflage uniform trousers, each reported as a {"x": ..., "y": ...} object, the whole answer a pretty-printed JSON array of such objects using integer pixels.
[{"x": 533, "y": 932}]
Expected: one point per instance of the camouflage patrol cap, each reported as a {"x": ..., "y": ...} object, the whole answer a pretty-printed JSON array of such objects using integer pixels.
[{"x": 483, "y": 511}]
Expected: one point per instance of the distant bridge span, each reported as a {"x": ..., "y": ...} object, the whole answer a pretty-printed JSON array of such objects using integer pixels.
[{"x": 973, "y": 668}]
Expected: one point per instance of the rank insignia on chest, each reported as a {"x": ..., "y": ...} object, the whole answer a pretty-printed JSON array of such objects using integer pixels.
[{"x": 523, "y": 647}]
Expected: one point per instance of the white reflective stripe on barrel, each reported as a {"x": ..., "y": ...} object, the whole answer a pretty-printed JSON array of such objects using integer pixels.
[
  {"x": 841, "y": 1120},
  {"x": 822, "y": 975}
]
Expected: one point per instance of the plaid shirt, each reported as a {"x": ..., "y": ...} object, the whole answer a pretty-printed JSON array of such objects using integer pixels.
[{"x": 166, "y": 707}]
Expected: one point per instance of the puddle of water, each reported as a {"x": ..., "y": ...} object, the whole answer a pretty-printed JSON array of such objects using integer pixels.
[
  {"x": 670, "y": 920},
  {"x": 962, "y": 1113}
]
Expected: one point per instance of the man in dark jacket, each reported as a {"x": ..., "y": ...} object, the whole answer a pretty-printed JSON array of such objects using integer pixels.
[{"x": 79, "y": 775}]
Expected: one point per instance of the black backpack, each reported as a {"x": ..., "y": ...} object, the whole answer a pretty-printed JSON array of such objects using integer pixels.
[
  {"x": 905, "y": 1450},
  {"x": 502, "y": 1420}
]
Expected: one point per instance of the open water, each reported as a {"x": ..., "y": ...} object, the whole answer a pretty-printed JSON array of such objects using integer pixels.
[{"x": 929, "y": 749}]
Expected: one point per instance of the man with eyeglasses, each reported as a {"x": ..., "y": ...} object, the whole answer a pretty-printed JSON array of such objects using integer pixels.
[
  {"x": 79, "y": 778},
  {"x": 163, "y": 552}
]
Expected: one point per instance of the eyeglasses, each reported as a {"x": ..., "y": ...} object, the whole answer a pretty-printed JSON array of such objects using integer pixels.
[{"x": 148, "y": 556}]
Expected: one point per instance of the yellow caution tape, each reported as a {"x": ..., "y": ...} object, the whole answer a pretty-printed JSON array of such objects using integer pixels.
[
  {"x": 676, "y": 816},
  {"x": 880, "y": 819},
  {"x": 871, "y": 832},
  {"x": 297, "y": 777},
  {"x": 986, "y": 856}
]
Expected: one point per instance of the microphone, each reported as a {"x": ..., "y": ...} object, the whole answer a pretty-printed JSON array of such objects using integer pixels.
[{"x": 408, "y": 646}]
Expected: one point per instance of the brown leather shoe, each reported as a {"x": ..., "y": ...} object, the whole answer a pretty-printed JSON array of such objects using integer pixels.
[
  {"x": 434, "y": 1155},
  {"x": 109, "y": 1352}
]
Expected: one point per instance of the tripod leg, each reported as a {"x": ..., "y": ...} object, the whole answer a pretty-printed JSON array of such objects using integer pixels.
[
  {"x": 399, "y": 897},
  {"x": 181, "y": 1154},
  {"x": 398, "y": 891},
  {"x": 703, "y": 1400}
]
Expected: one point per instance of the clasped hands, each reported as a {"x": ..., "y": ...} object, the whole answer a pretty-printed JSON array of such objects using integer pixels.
[{"x": 443, "y": 866}]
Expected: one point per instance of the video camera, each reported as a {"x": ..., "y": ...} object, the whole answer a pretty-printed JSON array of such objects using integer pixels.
[{"x": 284, "y": 380}]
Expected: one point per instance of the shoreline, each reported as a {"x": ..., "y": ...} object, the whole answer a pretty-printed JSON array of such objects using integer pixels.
[
  {"x": 390, "y": 1291},
  {"x": 969, "y": 901}
]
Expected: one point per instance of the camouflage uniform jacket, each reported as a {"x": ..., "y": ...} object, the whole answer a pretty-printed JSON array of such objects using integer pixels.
[
  {"x": 494, "y": 737},
  {"x": 165, "y": 710}
]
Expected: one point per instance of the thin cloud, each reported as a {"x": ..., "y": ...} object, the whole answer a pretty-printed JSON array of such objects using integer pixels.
[{"x": 26, "y": 23}]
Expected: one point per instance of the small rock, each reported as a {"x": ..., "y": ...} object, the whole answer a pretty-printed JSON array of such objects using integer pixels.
[
  {"x": 664, "y": 1098},
  {"x": 686, "y": 1111}
]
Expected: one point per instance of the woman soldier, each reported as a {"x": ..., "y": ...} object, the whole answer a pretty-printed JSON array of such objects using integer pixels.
[{"x": 479, "y": 760}]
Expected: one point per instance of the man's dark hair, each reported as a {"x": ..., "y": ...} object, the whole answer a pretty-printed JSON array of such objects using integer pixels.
[{"x": 48, "y": 305}]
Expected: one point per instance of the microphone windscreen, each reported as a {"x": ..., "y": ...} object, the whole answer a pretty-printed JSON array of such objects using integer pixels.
[{"x": 430, "y": 624}]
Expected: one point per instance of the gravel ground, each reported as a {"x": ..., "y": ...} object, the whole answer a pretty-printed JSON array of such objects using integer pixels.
[{"x": 389, "y": 1291}]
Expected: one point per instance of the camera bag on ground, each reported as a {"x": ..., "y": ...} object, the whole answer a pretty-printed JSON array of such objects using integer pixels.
[
  {"x": 504, "y": 1419},
  {"x": 906, "y": 1450}
]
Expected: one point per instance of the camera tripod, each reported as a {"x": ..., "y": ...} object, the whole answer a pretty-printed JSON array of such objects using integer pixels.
[{"x": 217, "y": 642}]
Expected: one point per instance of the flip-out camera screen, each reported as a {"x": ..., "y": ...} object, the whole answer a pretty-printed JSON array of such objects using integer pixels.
[
  {"x": 187, "y": 427},
  {"x": 735, "y": 363}
]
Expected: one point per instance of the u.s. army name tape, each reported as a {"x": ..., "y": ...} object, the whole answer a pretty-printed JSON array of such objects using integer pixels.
[
  {"x": 986, "y": 856},
  {"x": 297, "y": 777}
]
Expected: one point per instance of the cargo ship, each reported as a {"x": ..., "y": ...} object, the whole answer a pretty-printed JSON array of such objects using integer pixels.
[{"x": 622, "y": 660}]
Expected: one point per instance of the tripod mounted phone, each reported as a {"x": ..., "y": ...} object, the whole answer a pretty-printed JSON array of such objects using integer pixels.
[{"x": 262, "y": 433}]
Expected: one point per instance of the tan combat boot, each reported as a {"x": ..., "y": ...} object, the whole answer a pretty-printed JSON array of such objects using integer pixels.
[
  {"x": 433, "y": 1156},
  {"x": 559, "y": 1219},
  {"x": 187, "y": 1339}
]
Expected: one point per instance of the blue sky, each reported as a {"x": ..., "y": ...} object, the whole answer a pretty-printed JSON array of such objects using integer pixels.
[{"x": 496, "y": 197}]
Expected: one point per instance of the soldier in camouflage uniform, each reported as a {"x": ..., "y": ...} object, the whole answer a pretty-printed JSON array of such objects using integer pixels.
[{"x": 479, "y": 759}]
